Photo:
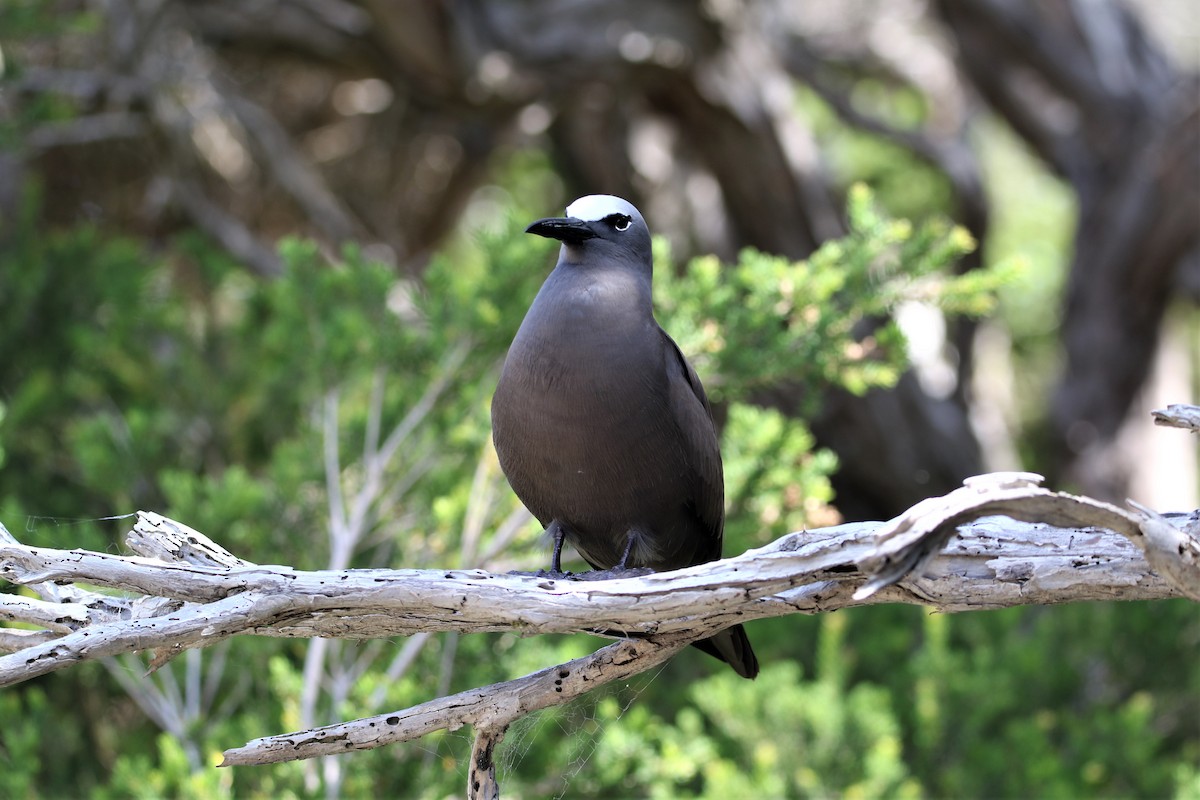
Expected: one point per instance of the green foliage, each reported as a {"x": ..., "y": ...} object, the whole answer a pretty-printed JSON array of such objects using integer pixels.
[
  {"x": 164, "y": 773},
  {"x": 27, "y": 25},
  {"x": 174, "y": 381},
  {"x": 827, "y": 739},
  {"x": 776, "y": 481},
  {"x": 779, "y": 736},
  {"x": 1055, "y": 702},
  {"x": 766, "y": 320},
  {"x": 23, "y": 18},
  {"x": 20, "y": 745}
]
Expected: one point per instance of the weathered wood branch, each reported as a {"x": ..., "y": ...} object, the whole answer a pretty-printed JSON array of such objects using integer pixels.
[
  {"x": 992, "y": 564},
  {"x": 1016, "y": 544},
  {"x": 489, "y": 708},
  {"x": 1178, "y": 415}
]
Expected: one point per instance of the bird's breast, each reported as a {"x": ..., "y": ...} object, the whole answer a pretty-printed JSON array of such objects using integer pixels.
[
  {"x": 581, "y": 417},
  {"x": 582, "y": 378}
]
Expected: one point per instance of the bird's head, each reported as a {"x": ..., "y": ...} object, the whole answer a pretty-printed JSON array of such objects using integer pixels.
[{"x": 598, "y": 229}]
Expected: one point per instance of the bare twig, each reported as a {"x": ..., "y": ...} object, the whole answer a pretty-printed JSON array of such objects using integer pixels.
[
  {"x": 278, "y": 155},
  {"x": 1173, "y": 551},
  {"x": 12, "y": 640},
  {"x": 156, "y": 536},
  {"x": 227, "y": 229},
  {"x": 1178, "y": 415},
  {"x": 87, "y": 130},
  {"x": 330, "y": 669},
  {"x": 488, "y": 708},
  {"x": 481, "y": 772}
]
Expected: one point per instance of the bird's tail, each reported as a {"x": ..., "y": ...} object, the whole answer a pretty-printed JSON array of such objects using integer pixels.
[{"x": 733, "y": 647}]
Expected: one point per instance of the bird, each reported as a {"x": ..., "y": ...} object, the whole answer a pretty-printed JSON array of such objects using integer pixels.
[{"x": 600, "y": 424}]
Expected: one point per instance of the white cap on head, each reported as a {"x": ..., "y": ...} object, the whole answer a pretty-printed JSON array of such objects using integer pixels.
[{"x": 596, "y": 207}]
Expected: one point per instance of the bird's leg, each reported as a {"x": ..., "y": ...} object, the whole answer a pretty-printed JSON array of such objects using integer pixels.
[
  {"x": 556, "y": 530},
  {"x": 630, "y": 537},
  {"x": 620, "y": 570}
]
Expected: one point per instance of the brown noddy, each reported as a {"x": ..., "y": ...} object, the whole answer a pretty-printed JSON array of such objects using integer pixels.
[{"x": 601, "y": 425}]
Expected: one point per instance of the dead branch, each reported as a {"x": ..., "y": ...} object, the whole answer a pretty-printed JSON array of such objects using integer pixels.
[
  {"x": 1178, "y": 415},
  {"x": 1016, "y": 544},
  {"x": 991, "y": 564},
  {"x": 489, "y": 708}
]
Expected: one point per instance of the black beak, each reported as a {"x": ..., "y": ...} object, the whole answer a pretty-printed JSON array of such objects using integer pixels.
[{"x": 566, "y": 229}]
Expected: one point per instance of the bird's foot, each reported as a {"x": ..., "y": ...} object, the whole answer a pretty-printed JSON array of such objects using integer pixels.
[
  {"x": 613, "y": 574},
  {"x": 545, "y": 573}
]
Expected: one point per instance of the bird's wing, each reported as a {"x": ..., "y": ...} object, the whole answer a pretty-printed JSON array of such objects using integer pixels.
[{"x": 689, "y": 406}]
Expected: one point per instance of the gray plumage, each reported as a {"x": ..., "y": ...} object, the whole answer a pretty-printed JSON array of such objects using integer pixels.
[{"x": 601, "y": 426}]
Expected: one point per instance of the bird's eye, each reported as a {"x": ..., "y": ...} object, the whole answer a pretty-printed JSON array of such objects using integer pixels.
[{"x": 621, "y": 222}]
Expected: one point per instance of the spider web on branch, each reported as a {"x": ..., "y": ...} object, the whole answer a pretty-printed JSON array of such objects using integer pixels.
[{"x": 582, "y": 723}]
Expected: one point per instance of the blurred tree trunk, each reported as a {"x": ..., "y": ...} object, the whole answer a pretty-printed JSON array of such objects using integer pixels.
[
  {"x": 1098, "y": 101},
  {"x": 378, "y": 121}
]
